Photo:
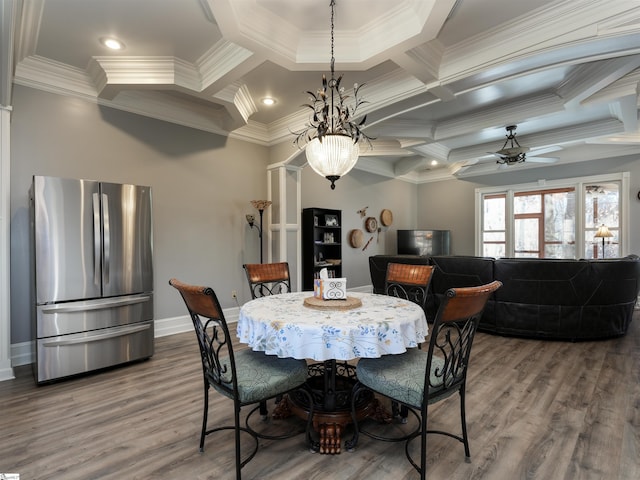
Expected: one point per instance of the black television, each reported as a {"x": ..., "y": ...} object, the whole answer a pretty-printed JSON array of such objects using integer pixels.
[{"x": 423, "y": 242}]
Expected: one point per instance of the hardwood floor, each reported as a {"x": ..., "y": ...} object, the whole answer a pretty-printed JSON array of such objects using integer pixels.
[{"x": 536, "y": 410}]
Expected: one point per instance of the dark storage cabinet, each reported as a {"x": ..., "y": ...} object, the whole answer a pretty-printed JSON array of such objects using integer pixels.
[{"x": 321, "y": 244}]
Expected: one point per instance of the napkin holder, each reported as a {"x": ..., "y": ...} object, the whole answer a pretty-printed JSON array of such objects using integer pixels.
[{"x": 329, "y": 288}]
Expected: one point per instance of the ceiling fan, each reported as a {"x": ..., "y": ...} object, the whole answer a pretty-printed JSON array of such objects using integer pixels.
[{"x": 511, "y": 153}]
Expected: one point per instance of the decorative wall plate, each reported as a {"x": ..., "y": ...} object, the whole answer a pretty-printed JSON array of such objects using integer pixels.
[
  {"x": 386, "y": 217},
  {"x": 371, "y": 224},
  {"x": 356, "y": 238}
]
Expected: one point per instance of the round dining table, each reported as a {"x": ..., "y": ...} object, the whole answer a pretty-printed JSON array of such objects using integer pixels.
[
  {"x": 284, "y": 325},
  {"x": 333, "y": 333}
]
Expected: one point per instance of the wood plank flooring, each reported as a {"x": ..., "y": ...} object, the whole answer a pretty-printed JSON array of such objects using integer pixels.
[{"x": 536, "y": 410}]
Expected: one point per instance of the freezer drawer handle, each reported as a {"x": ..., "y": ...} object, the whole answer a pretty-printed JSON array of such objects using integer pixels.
[
  {"x": 95, "y": 338},
  {"x": 96, "y": 306}
]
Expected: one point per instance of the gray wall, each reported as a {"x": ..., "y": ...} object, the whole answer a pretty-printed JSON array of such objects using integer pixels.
[
  {"x": 353, "y": 192},
  {"x": 449, "y": 205},
  {"x": 201, "y": 184}
]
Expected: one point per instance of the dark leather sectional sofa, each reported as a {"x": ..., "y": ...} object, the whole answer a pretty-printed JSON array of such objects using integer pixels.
[{"x": 540, "y": 298}]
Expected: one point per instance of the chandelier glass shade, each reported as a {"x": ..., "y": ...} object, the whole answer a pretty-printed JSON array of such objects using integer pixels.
[{"x": 332, "y": 156}]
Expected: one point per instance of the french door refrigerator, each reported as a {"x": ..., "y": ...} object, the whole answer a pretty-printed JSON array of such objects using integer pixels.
[{"x": 93, "y": 271}]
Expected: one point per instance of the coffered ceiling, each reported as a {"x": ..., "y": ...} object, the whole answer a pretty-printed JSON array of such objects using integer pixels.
[{"x": 443, "y": 78}]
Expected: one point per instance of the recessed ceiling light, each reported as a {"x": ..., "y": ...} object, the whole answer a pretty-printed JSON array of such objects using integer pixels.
[
  {"x": 434, "y": 162},
  {"x": 112, "y": 43},
  {"x": 268, "y": 101}
]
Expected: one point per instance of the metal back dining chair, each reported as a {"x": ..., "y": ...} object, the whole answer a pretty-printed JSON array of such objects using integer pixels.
[
  {"x": 268, "y": 278},
  {"x": 419, "y": 378},
  {"x": 408, "y": 281},
  {"x": 245, "y": 376}
]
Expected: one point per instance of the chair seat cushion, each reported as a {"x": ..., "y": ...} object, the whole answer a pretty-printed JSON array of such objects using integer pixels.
[
  {"x": 401, "y": 377},
  {"x": 262, "y": 376}
]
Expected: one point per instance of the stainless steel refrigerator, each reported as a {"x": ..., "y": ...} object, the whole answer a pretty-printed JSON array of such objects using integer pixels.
[{"x": 93, "y": 270}]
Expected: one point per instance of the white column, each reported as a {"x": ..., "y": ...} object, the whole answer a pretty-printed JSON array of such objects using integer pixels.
[
  {"x": 285, "y": 192},
  {"x": 6, "y": 370},
  {"x": 8, "y": 15}
]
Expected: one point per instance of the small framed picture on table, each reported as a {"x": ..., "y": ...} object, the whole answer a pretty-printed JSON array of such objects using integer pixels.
[{"x": 331, "y": 221}]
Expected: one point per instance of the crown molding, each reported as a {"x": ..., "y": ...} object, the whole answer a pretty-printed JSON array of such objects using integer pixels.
[
  {"x": 623, "y": 87},
  {"x": 44, "y": 74},
  {"x": 433, "y": 150},
  {"x": 29, "y": 26},
  {"x": 114, "y": 74},
  {"x": 375, "y": 165},
  {"x": 406, "y": 24},
  {"x": 8, "y": 15},
  {"x": 221, "y": 60},
  {"x": 538, "y": 31},
  {"x": 159, "y": 105},
  {"x": 586, "y": 80},
  {"x": 253, "y": 132},
  {"x": 516, "y": 111}
]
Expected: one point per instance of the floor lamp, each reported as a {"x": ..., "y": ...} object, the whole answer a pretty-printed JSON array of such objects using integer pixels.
[
  {"x": 261, "y": 205},
  {"x": 603, "y": 232}
]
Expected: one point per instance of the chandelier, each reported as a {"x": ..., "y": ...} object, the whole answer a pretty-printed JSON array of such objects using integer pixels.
[{"x": 332, "y": 136}]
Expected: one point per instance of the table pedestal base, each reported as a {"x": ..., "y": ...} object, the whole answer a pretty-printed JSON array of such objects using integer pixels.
[{"x": 330, "y": 386}]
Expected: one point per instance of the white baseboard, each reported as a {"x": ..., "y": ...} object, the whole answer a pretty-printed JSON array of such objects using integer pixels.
[
  {"x": 6, "y": 372},
  {"x": 23, "y": 353},
  {"x": 171, "y": 326}
]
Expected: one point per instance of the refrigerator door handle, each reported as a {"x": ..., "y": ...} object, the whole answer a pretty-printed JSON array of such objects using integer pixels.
[
  {"x": 97, "y": 305},
  {"x": 96, "y": 240},
  {"x": 106, "y": 239},
  {"x": 120, "y": 332}
]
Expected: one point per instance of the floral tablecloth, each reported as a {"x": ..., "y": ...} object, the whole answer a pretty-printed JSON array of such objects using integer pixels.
[{"x": 282, "y": 325}]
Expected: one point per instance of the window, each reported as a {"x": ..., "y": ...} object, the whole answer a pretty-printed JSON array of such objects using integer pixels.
[
  {"x": 552, "y": 221},
  {"x": 494, "y": 226},
  {"x": 601, "y": 207}
]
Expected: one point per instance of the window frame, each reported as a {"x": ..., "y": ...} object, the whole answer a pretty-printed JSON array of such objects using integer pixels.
[{"x": 579, "y": 184}]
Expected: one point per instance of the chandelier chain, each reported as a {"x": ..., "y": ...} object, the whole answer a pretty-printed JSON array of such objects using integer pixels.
[
  {"x": 333, "y": 60},
  {"x": 332, "y": 82}
]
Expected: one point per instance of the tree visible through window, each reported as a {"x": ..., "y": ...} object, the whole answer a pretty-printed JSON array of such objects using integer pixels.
[
  {"x": 494, "y": 226},
  {"x": 544, "y": 223}
]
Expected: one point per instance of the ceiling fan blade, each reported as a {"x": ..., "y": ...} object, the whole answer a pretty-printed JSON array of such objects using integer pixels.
[
  {"x": 542, "y": 159},
  {"x": 541, "y": 151}
]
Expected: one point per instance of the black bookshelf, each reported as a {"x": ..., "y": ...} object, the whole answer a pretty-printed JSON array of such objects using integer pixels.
[{"x": 321, "y": 244}]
